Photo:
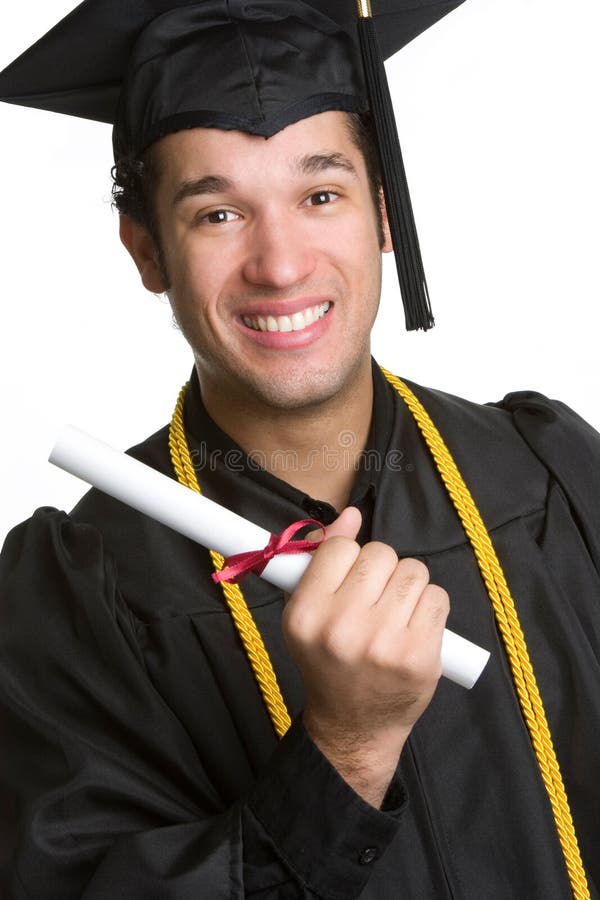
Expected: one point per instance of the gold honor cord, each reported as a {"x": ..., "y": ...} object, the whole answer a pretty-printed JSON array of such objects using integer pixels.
[
  {"x": 241, "y": 615},
  {"x": 498, "y": 591},
  {"x": 512, "y": 635}
]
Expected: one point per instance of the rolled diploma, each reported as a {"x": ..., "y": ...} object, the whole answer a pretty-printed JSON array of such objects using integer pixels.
[{"x": 212, "y": 525}]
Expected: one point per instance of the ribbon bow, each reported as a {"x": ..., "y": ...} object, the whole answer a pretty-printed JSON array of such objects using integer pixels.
[{"x": 241, "y": 564}]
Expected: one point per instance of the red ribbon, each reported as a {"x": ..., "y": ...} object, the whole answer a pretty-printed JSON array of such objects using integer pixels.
[{"x": 241, "y": 564}]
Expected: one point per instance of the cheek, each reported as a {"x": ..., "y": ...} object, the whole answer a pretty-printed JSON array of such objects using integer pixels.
[
  {"x": 191, "y": 275},
  {"x": 355, "y": 237},
  {"x": 206, "y": 266},
  {"x": 199, "y": 289},
  {"x": 356, "y": 251}
]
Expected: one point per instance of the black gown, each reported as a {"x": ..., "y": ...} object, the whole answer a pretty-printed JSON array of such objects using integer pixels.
[{"x": 138, "y": 760}]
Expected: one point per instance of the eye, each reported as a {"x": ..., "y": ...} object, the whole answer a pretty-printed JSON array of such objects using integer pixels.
[
  {"x": 218, "y": 217},
  {"x": 321, "y": 198}
]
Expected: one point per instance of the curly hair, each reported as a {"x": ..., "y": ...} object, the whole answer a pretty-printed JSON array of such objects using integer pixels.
[{"x": 135, "y": 179}]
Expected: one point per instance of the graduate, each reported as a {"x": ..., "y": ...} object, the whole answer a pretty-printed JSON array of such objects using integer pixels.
[{"x": 168, "y": 732}]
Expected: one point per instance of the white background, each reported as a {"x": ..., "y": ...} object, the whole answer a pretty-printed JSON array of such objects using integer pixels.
[{"x": 498, "y": 112}]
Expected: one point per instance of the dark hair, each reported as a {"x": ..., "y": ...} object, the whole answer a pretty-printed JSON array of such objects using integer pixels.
[
  {"x": 134, "y": 182},
  {"x": 135, "y": 178}
]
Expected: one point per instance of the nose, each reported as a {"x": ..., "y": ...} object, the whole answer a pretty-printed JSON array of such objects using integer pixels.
[{"x": 279, "y": 253}]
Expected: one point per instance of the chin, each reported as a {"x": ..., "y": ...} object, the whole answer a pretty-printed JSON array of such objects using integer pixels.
[
  {"x": 296, "y": 386},
  {"x": 300, "y": 390}
]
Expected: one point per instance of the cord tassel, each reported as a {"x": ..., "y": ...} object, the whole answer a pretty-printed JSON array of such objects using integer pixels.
[{"x": 413, "y": 286}]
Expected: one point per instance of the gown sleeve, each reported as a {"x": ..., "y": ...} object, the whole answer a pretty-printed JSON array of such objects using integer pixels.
[
  {"x": 102, "y": 790},
  {"x": 570, "y": 449}
]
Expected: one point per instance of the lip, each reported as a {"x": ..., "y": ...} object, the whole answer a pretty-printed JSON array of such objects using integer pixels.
[
  {"x": 282, "y": 307},
  {"x": 288, "y": 340}
]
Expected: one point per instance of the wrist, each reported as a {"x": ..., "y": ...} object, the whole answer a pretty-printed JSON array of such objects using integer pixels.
[{"x": 366, "y": 762}]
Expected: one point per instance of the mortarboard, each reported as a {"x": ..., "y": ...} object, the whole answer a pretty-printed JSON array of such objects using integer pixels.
[{"x": 153, "y": 67}]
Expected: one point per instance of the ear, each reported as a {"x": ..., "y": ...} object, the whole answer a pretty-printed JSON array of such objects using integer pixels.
[
  {"x": 142, "y": 248},
  {"x": 387, "y": 238}
]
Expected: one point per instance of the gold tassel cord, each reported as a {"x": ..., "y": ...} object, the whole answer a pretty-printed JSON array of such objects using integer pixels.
[
  {"x": 241, "y": 615},
  {"x": 502, "y": 602},
  {"x": 512, "y": 635}
]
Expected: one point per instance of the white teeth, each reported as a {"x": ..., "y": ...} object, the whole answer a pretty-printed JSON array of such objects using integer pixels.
[
  {"x": 296, "y": 322},
  {"x": 299, "y": 321}
]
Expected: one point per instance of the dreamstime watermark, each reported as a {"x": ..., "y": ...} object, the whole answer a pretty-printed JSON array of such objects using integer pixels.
[{"x": 328, "y": 458}]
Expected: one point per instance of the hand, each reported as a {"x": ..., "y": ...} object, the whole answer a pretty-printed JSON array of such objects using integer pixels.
[{"x": 365, "y": 630}]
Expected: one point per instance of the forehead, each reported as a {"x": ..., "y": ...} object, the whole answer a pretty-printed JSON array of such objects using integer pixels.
[{"x": 213, "y": 150}]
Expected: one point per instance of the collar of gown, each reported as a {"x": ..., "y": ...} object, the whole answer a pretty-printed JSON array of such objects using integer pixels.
[{"x": 398, "y": 488}]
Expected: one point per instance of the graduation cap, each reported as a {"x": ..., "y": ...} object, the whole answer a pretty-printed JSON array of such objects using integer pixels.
[{"x": 153, "y": 67}]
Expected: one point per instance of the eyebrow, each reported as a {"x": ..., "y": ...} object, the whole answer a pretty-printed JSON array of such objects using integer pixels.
[
  {"x": 209, "y": 184},
  {"x": 313, "y": 163},
  {"x": 309, "y": 164}
]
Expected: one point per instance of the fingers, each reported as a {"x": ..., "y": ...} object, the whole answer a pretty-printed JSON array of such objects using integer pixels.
[
  {"x": 430, "y": 613},
  {"x": 358, "y": 575},
  {"x": 365, "y": 630},
  {"x": 372, "y": 591},
  {"x": 367, "y": 576},
  {"x": 416, "y": 606},
  {"x": 367, "y": 580},
  {"x": 328, "y": 567},
  {"x": 404, "y": 588}
]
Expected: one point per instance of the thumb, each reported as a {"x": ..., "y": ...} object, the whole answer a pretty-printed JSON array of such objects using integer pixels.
[{"x": 347, "y": 525}]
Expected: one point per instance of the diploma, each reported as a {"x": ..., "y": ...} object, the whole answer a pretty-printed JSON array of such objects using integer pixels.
[{"x": 213, "y": 526}]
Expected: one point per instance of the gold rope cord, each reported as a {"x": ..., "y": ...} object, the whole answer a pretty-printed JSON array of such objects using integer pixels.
[
  {"x": 241, "y": 615},
  {"x": 502, "y": 602},
  {"x": 512, "y": 635}
]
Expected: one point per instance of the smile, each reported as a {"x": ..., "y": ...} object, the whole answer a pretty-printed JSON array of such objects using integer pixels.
[{"x": 296, "y": 322}]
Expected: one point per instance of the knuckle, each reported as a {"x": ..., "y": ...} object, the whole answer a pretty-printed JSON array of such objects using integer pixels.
[
  {"x": 381, "y": 553},
  {"x": 410, "y": 575},
  {"x": 401, "y": 588},
  {"x": 382, "y": 652},
  {"x": 338, "y": 642},
  {"x": 420, "y": 660},
  {"x": 419, "y": 670},
  {"x": 412, "y": 664},
  {"x": 438, "y": 593},
  {"x": 374, "y": 556},
  {"x": 298, "y": 622},
  {"x": 438, "y": 616},
  {"x": 438, "y": 600},
  {"x": 414, "y": 569},
  {"x": 362, "y": 568}
]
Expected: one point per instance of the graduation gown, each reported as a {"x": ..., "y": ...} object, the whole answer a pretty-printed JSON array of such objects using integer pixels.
[{"x": 138, "y": 759}]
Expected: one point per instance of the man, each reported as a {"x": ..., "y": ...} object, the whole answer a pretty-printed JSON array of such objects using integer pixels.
[{"x": 141, "y": 758}]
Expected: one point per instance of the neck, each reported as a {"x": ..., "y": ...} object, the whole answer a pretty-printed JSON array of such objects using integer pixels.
[{"x": 316, "y": 449}]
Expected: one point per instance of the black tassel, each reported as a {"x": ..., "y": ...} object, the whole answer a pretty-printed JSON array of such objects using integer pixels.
[{"x": 415, "y": 297}]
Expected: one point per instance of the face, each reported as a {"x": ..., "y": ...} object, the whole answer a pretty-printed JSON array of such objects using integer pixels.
[{"x": 273, "y": 257}]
